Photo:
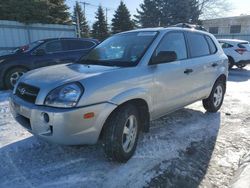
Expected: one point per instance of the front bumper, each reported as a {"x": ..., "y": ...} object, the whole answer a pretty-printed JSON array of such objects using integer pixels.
[{"x": 65, "y": 126}]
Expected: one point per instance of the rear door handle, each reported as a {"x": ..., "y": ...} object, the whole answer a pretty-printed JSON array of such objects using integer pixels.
[
  {"x": 187, "y": 71},
  {"x": 214, "y": 64}
]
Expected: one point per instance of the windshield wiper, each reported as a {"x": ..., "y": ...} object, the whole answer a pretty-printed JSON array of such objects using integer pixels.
[
  {"x": 107, "y": 63},
  {"x": 91, "y": 62}
]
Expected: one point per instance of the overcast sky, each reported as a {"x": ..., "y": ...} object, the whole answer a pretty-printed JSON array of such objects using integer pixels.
[{"x": 238, "y": 7}]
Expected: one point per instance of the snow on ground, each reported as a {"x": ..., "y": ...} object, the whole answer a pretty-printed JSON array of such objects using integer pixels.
[{"x": 187, "y": 148}]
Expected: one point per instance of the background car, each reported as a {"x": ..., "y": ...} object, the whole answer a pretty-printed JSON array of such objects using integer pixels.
[
  {"x": 40, "y": 54},
  {"x": 237, "y": 51}
]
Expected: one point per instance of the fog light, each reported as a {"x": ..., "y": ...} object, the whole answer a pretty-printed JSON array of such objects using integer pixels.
[{"x": 46, "y": 117}]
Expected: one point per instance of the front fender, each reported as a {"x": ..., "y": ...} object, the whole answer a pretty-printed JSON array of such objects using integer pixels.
[{"x": 135, "y": 93}]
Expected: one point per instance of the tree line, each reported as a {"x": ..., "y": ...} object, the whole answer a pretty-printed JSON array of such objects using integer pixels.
[{"x": 151, "y": 13}]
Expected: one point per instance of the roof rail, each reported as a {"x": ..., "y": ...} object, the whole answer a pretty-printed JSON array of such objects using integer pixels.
[{"x": 190, "y": 26}]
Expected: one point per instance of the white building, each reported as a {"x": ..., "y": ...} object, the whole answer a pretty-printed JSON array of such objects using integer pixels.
[{"x": 229, "y": 27}]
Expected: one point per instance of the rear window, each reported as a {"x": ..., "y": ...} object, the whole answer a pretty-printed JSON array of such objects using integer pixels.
[
  {"x": 211, "y": 44},
  {"x": 244, "y": 45},
  {"x": 78, "y": 44},
  {"x": 198, "y": 45}
]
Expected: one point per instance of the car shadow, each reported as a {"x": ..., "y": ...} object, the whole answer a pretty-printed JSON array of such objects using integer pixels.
[
  {"x": 179, "y": 146},
  {"x": 239, "y": 75},
  {"x": 4, "y": 95}
]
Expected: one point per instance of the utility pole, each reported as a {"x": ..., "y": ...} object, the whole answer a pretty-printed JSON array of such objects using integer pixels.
[
  {"x": 106, "y": 9},
  {"x": 84, "y": 7},
  {"x": 78, "y": 24}
]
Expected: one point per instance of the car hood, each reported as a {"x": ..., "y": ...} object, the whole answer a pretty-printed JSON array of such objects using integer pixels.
[
  {"x": 6, "y": 57},
  {"x": 53, "y": 76}
]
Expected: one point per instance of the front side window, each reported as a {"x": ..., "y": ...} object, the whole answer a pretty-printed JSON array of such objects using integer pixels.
[
  {"x": 198, "y": 45},
  {"x": 121, "y": 50},
  {"x": 54, "y": 46},
  {"x": 78, "y": 44},
  {"x": 174, "y": 42},
  {"x": 225, "y": 45}
]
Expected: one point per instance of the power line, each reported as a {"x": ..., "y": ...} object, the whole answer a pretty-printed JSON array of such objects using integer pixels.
[{"x": 96, "y": 6}]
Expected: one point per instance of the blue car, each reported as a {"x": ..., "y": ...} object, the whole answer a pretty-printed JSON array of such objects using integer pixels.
[{"x": 40, "y": 54}]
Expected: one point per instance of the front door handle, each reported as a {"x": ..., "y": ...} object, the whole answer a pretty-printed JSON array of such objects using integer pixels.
[
  {"x": 187, "y": 71},
  {"x": 214, "y": 64}
]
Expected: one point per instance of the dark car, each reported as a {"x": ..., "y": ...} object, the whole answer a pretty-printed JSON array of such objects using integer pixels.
[{"x": 40, "y": 54}]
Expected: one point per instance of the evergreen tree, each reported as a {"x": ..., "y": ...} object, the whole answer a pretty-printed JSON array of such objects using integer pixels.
[
  {"x": 121, "y": 21},
  {"x": 195, "y": 11},
  {"x": 100, "y": 28},
  {"x": 181, "y": 11},
  {"x": 167, "y": 12},
  {"x": 33, "y": 11},
  {"x": 78, "y": 14},
  {"x": 149, "y": 14},
  {"x": 58, "y": 12}
]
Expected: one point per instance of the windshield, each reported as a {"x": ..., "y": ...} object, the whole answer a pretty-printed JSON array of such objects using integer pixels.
[
  {"x": 120, "y": 50},
  {"x": 28, "y": 47}
]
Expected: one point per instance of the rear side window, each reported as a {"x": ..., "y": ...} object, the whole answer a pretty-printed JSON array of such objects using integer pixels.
[
  {"x": 211, "y": 44},
  {"x": 54, "y": 46},
  {"x": 78, "y": 44},
  {"x": 198, "y": 45},
  {"x": 174, "y": 42}
]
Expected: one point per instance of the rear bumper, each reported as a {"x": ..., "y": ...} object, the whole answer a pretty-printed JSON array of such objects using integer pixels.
[
  {"x": 244, "y": 62},
  {"x": 65, "y": 126}
]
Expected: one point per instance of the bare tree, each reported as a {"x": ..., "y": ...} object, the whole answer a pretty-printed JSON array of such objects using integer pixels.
[{"x": 214, "y": 8}]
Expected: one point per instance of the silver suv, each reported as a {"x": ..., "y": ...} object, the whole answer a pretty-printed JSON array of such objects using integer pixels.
[{"x": 122, "y": 84}]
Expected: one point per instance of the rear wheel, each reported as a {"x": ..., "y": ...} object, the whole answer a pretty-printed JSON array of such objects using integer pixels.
[
  {"x": 121, "y": 133},
  {"x": 12, "y": 76},
  {"x": 216, "y": 97}
]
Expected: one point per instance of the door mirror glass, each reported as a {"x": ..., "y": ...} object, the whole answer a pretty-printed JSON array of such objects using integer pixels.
[
  {"x": 164, "y": 57},
  {"x": 40, "y": 52}
]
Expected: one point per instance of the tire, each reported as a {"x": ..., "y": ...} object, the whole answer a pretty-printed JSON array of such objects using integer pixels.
[
  {"x": 114, "y": 137},
  {"x": 12, "y": 76},
  {"x": 213, "y": 103},
  {"x": 241, "y": 66},
  {"x": 230, "y": 63}
]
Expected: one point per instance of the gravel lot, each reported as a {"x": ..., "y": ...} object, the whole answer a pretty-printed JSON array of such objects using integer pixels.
[{"x": 188, "y": 148}]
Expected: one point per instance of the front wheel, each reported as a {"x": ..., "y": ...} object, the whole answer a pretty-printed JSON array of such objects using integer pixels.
[
  {"x": 12, "y": 76},
  {"x": 121, "y": 133},
  {"x": 230, "y": 63},
  {"x": 216, "y": 97}
]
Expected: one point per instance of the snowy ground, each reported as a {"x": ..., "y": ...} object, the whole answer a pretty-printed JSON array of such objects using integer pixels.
[{"x": 189, "y": 148}]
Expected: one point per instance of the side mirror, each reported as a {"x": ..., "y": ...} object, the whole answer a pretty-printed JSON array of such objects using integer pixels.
[
  {"x": 40, "y": 52},
  {"x": 163, "y": 57}
]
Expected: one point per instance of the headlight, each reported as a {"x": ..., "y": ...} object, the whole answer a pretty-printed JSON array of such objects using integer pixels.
[
  {"x": 2, "y": 60},
  {"x": 65, "y": 96}
]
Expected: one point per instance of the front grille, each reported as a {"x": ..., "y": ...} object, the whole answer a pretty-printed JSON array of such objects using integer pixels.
[{"x": 27, "y": 92}]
